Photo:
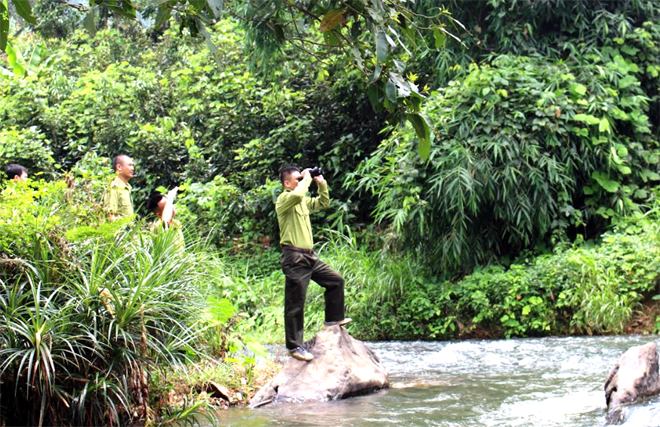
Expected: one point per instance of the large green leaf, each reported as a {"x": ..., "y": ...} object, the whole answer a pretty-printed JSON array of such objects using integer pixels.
[
  {"x": 221, "y": 310},
  {"x": 440, "y": 38},
  {"x": 578, "y": 89},
  {"x": 390, "y": 90},
  {"x": 199, "y": 5},
  {"x": 90, "y": 21},
  {"x": 604, "y": 125},
  {"x": 24, "y": 9},
  {"x": 164, "y": 14},
  {"x": 4, "y": 24},
  {"x": 128, "y": 10},
  {"x": 604, "y": 181},
  {"x": 16, "y": 60},
  {"x": 587, "y": 118},
  {"x": 374, "y": 97},
  {"x": 331, "y": 20},
  {"x": 216, "y": 6},
  {"x": 382, "y": 47},
  {"x": 423, "y": 131}
]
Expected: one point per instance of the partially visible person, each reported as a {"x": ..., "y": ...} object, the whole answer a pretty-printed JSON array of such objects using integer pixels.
[
  {"x": 16, "y": 172},
  {"x": 162, "y": 205},
  {"x": 117, "y": 198}
]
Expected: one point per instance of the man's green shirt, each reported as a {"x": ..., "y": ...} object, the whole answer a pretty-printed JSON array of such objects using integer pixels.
[
  {"x": 293, "y": 209},
  {"x": 117, "y": 198}
]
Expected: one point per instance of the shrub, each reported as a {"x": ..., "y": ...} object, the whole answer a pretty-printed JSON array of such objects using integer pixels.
[
  {"x": 28, "y": 147},
  {"x": 525, "y": 148},
  {"x": 91, "y": 310}
]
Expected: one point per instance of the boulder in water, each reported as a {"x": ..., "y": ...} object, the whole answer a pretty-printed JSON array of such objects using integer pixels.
[
  {"x": 342, "y": 367},
  {"x": 634, "y": 377}
]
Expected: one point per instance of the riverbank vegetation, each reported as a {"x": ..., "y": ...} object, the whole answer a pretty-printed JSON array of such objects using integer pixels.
[
  {"x": 534, "y": 211},
  {"x": 97, "y": 315}
]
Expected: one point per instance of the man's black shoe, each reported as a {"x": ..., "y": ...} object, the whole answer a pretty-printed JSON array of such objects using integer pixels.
[
  {"x": 301, "y": 353},
  {"x": 342, "y": 322}
]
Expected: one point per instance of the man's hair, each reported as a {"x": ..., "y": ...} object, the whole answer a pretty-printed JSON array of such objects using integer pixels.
[
  {"x": 117, "y": 160},
  {"x": 286, "y": 172},
  {"x": 152, "y": 205},
  {"x": 13, "y": 170}
]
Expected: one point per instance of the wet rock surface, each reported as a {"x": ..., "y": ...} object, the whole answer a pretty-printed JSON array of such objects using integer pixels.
[
  {"x": 634, "y": 377},
  {"x": 342, "y": 367}
]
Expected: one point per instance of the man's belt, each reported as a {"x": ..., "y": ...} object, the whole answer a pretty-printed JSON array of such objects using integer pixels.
[{"x": 297, "y": 249}]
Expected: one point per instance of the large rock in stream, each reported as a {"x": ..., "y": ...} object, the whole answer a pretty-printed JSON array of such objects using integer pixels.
[
  {"x": 634, "y": 377},
  {"x": 342, "y": 367}
]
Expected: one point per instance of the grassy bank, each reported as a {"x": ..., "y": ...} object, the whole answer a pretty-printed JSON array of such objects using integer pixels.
[{"x": 604, "y": 287}]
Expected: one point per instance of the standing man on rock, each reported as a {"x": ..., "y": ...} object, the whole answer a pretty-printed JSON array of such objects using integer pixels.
[
  {"x": 299, "y": 261},
  {"x": 117, "y": 198}
]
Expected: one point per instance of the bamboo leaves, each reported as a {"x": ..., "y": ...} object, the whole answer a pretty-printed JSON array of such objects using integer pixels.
[{"x": 514, "y": 162}]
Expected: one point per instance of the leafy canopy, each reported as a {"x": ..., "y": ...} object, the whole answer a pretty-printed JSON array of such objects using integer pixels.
[{"x": 381, "y": 36}]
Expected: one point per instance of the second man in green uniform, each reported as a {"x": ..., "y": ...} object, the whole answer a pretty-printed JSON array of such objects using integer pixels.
[{"x": 117, "y": 198}]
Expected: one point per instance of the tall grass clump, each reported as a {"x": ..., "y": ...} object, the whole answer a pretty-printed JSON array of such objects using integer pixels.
[
  {"x": 91, "y": 313},
  {"x": 80, "y": 338}
]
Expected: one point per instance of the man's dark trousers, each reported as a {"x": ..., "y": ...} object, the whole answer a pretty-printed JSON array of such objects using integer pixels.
[{"x": 299, "y": 268}]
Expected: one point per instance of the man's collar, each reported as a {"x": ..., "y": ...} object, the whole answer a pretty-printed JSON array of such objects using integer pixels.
[{"x": 121, "y": 184}]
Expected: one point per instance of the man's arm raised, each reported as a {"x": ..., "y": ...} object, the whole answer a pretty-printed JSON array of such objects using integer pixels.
[
  {"x": 323, "y": 199},
  {"x": 168, "y": 210}
]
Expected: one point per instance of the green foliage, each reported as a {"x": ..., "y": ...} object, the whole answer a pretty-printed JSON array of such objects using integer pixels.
[
  {"x": 585, "y": 289},
  {"x": 524, "y": 149},
  {"x": 82, "y": 336},
  {"x": 28, "y": 147},
  {"x": 91, "y": 310},
  {"x": 582, "y": 290},
  {"x": 223, "y": 211},
  {"x": 185, "y": 118}
]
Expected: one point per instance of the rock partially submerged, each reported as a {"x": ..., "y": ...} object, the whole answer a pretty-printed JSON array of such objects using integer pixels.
[
  {"x": 634, "y": 377},
  {"x": 342, "y": 367}
]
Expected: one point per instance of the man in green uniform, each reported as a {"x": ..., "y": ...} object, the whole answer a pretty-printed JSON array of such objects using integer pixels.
[
  {"x": 117, "y": 198},
  {"x": 163, "y": 206},
  {"x": 299, "y": 261}
]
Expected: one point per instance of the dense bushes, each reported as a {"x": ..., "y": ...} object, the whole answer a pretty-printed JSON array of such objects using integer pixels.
[
  {"x": 27, "y": 147},
  {"x": 582, "y": 290},
  {"x": 92, "y": 311},
  {"x": 186, "y": 118},
  {"x": 549, "y": 129},
  {"x": 525, "y": 147}
]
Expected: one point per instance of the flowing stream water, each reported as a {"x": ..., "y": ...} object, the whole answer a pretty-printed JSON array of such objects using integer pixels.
[{"x": 521, "y": 382}]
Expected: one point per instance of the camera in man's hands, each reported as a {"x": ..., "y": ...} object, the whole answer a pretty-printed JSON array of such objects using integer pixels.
[{"x": 313, "y": 172}]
